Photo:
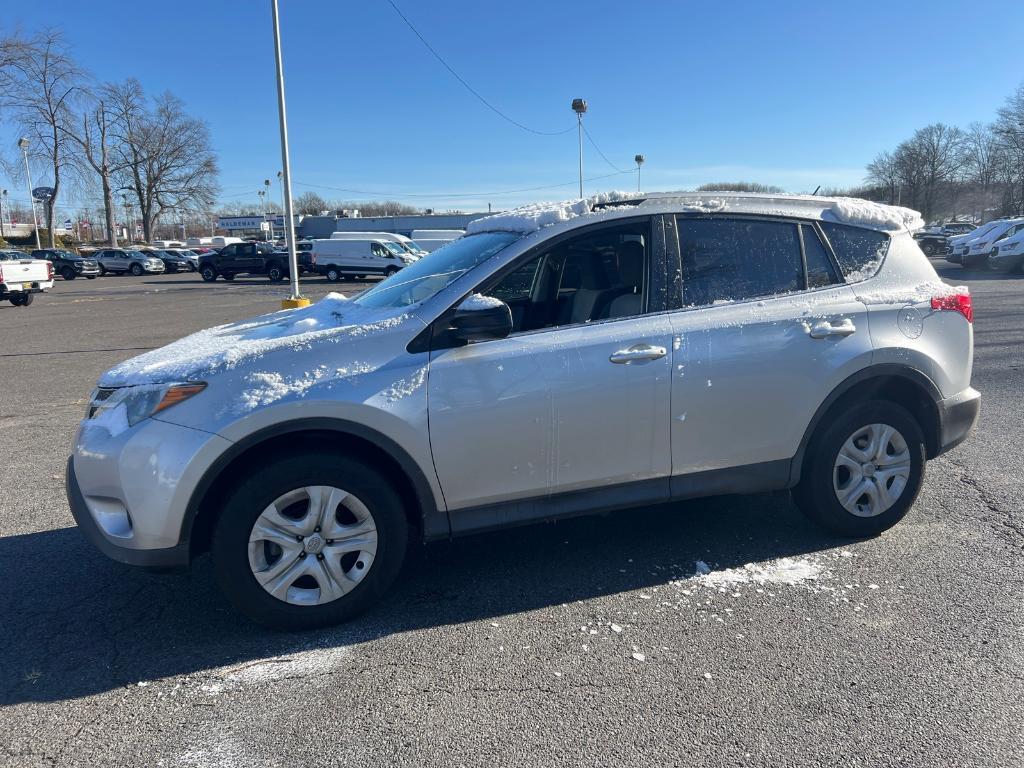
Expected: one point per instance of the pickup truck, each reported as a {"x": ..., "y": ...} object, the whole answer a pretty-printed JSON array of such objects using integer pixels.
[
  {"x": 250, "y": 259},
  {"x": 21, "y": 277}
]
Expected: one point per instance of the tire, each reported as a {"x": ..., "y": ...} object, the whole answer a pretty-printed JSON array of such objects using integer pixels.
[
  {"x": 236, "y": 562},
  {"x": 208, "y": 273},
  {"x": 68, "y": 273},
  {"x": 90, "y": 277},
  {"x": 136, "y": 270},
  {"x": 333, "y": 274},
  {"x": 103, "y": 270},
  {"x": 229, "y": 276},
  {"x": 275, "y": 273},
  {"x": 191, "y": 267},
  {"x": 928, "y": 249},
  {"x": 17, "y": 300},
  {"x": 390, "y": 271},
  {"x": 823, "y": 478}
]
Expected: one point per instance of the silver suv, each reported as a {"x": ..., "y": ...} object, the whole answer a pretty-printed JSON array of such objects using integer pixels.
[
  {"x": 117, "y": 261},
  {"x": 557, "y": 360}
]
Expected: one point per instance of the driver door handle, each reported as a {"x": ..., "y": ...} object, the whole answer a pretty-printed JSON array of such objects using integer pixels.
[
  {"x": 638, "y": 353},
  {"x": 825, "y": 328}
]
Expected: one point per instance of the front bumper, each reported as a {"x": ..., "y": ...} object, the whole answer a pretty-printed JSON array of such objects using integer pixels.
[
  {"x": 1005, "y": 262},
  {"x": 957, "y": 417},
  {"x": 129, "y": 490}
]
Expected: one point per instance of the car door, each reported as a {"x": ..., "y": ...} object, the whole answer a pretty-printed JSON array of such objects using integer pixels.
[
  {"x": 566, "y": 403},
  {"x": 225, "y": 259},
  {"x": 767, "y": 330}
]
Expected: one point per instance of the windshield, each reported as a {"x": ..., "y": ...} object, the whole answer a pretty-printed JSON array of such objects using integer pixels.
[
  {"x": 138, "y": 254},
  {"x": 435, "y": 272},
  {"x": 395, "y": 248},
  {"x": 414, "y": 246}
]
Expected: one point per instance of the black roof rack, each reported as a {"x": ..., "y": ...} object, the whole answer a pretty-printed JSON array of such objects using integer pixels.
[{"x": 617, "y": 203}]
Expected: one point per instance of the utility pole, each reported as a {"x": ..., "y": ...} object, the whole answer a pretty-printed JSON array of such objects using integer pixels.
[
  {"x": 23, "y": 143},
  {"x": 579, "y": 106},
  {"x": 639, "y": 159},
  {"x": 296, "y": 299}
]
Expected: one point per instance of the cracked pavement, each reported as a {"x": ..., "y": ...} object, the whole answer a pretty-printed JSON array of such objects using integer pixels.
[{"x": 516, "y": 648}]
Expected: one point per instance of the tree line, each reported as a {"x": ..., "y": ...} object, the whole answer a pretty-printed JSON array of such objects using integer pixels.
[
  {"x": 946, "y": 171},
  {"x": 107, "y": 138}
]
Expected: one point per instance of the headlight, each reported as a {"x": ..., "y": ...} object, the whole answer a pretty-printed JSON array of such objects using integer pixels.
[{"x": 123, "y": 407}]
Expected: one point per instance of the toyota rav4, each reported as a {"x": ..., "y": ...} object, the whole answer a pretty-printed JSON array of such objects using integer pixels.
[{"x": 558, "y": 360}]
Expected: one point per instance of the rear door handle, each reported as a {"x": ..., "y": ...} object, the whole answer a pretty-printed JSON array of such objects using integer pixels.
[
  {"x": 826, "y": 328},
  {"x": 638, "y": 353}
]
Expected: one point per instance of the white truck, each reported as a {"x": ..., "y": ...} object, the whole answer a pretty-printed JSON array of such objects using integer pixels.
[{"x": 21, "y": 277}]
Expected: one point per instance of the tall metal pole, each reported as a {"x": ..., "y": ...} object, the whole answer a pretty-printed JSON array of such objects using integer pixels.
[
  {"x": 23, "y": 143},
  {"x": 3, "y": 201},
  {"x": 579, "y": 106},
  {"x": 296, "y": 299},
  {"x": 639, "y": 160}
]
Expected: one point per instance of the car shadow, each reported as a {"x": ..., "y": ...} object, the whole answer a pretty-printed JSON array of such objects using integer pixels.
[{"x": 76, "y": 624}]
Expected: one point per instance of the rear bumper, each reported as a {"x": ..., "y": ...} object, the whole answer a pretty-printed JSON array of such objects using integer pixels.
[
  {"x": 171, "y": 558},
  {"x": 957, "y": 417}
]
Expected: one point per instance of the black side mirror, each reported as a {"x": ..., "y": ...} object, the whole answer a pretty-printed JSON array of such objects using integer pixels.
[{"x": 480, "y": 318}]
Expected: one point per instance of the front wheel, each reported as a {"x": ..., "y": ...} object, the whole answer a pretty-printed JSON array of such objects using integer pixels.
[
  {"x": 863, "y": 469},
  {"x": 90, "y": 277},
  {"x": 67, "y": 273},
  {"x": 928, "y": 248},
  {"x": 309, "y": 540},
  {"x": 333, "y": 274},
  {"x": 208, "y": 273},
  {"x": 191, "y": 267},
  {"x": 136, "y": 270},
  {"x": 103, "y": 270},
  {"x": 390, "y": 271}
]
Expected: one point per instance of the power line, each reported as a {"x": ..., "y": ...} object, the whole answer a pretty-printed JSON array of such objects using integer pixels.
[
  {"x": 603, "y": 157},
  {"x": 401, "y": 195},
  {"x": 467, "y": 86}
]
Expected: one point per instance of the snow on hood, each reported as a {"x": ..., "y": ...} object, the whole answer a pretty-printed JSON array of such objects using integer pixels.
[
  {"x": 332, "y": 319},
  {"x": 852, "y": 210}
]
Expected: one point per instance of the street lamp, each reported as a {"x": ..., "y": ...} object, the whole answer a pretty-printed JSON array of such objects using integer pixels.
[
  {"x": 639, "y": 160},
  {"x": 296, "y": 299},
  {"x": 579, "y": 106},
  {"x": 23, "y": 143},
  {"x": 266, "y": 198}
]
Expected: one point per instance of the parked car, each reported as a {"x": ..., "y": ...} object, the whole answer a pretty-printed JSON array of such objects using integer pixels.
[
  {"x": 932, "y": 243},
  {"x": 22, "y": 277},
  {"x": 958, "y": 243},
  {"x": 69, "y": 264},
  {"x": 172, "y": 259},
  {"x": 977, "y": 249},
  {"x": 248, "y": 259},
  {"x": 953, "y": 228},
  {"x": 344, "y": 259},
  {"x": 409, "y": 245},
  {"x": 119, "y": 261},
  {"x": 526, "y": 373},
  {"x": 1008, "y": 254}
]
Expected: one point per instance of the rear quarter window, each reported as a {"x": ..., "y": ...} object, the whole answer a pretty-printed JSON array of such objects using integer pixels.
[{"x": 859, "y": 251}]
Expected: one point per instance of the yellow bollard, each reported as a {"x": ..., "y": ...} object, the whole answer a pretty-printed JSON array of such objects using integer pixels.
[{"x": 294, "y": 303}]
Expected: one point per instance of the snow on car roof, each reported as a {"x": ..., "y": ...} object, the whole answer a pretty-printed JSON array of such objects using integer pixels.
[{"x": 843, "y": 210}]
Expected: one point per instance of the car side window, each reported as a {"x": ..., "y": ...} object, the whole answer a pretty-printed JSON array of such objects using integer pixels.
[
  {"x": 599, "y": 275},
  {"x": 820, "y": 271},
  {"x": 859, "y": 251},
  {"x": 379, "y": 250},
  {"x": 228, "y": 250},
  {"x": 728, "y": 260}
]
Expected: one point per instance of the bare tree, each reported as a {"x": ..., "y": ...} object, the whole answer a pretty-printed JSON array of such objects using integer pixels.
[
  {"x": 310, "y": 204},
  {"x": 39, "y": 85},
  {"x": 1009, "y": 129},
  {"x": 165, "y": 156},
  {"x": 883, "y": 171},
  {"x": 739, "y": 186}
]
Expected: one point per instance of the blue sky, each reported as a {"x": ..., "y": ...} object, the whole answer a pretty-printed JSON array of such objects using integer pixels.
[{"x": 789, "y": 93}]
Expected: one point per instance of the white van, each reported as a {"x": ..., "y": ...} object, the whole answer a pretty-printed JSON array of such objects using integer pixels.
[
  {"x": 221, "y": 242},
  {"x": 344, "y": 259},
  {"x": 199, "y": 242},
  {"x": 408, "y": 244},
  {"x": 168, "y": 244}
]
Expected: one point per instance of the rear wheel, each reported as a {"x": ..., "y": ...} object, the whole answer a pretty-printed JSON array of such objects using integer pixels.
[
  {"x": 208, "y": 273},
  {"x": 67, "y": 273},
  {"x": 21, "y": 299},
  {"x": 863, "y": 469},
  {"x": 275, "y": 273},
  {"x": 309, "y": 541}
]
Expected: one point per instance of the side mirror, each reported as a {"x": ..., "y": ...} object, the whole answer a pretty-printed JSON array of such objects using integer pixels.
[{"x": 480, "y": 318}]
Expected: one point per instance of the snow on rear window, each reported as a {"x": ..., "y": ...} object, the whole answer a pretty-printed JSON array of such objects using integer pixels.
[{"x": 859, "y": 251}]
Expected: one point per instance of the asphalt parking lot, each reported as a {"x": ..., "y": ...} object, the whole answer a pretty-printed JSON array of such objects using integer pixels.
[{"x": 587, "y": 642}]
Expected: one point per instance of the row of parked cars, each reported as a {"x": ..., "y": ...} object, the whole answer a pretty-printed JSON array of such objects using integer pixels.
[{"x": 997, "y": 245}]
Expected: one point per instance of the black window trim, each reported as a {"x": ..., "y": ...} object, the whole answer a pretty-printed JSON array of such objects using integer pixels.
[
  {"x": 828, "y": 245},
  {"x": 435, "y": 336}
]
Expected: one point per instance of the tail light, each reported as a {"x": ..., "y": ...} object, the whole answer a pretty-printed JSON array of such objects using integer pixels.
[
  {"x": 956, "y": 302},
  {"x": 1, "y": 274},
  {"x": 49, "y": 270}
]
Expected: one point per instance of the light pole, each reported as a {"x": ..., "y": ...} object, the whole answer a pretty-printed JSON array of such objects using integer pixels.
[
  {"x": 23, "y": 143},
  {"x": 639, "y": 159},
  {"x": 266, "y": 198},
  {"x": 296, "y": 299},
  {"x": 579, "y": 106},
  {"x": 261, "y": 194},
  {"x": 3, "y": 205},
  {"x": 280, "y": 185}
]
